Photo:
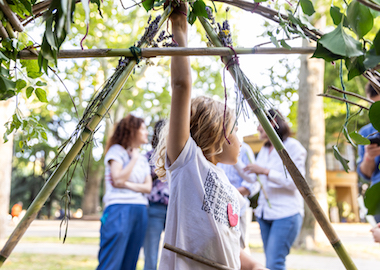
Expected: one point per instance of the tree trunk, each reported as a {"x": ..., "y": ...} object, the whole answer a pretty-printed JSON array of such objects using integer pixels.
[
  {"x": 6, "y": 150},
  {"x": 312, "y": 137},
  {"x": 91, "y": 196},
  {"x": 90, "y": 202}
]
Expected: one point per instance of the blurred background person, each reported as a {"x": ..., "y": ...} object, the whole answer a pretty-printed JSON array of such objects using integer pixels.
[
  {"x": 127, "y": 178},
  {"x": 281, "y": 221},
  {"x": 158, "y": 205},
  {"x": 369, "y": 155}
]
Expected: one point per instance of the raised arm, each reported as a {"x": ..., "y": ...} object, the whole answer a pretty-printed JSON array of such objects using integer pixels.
[{"x": 179, "y": 125}]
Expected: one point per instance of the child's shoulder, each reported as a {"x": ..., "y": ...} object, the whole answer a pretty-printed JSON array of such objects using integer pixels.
[{"x": 190, "y": 155}]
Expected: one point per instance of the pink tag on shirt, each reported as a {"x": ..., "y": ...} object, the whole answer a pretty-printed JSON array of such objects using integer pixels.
[{"x": 232, "y": 218}]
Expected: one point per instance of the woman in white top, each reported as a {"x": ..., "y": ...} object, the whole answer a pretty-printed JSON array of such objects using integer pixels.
[
  {"x": 281, "y": 222},
  {"x": 202, "y": 216},
  {"x": 127, "y": 178}
]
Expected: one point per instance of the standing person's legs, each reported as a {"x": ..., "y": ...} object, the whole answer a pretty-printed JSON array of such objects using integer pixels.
[
  {"x": 114, "y": 234},
  {"x": 265, "y": 227},
  {"x": 156, "y": 224},
  {"x": 282, "y": 236},
  {"x": 138, "y": 220}
]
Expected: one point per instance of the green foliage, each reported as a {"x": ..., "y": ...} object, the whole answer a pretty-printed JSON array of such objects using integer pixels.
[
  {"x": 360, "y": 18},
  {"x": 337, "y": 16},
  {"x": 374, "y": 115},
  {"x": 340, "y": 158},
  {"x": 307, "y": 7},
  {"x": 372, "y": 199},
  {"x": 359, "y": 139},
  {"x": 339, "y": 43}
]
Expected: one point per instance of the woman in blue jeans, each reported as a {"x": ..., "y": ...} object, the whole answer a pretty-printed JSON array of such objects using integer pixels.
[
  {"x": 281, "y": 222},
  {"x": 127, "y": 178},
  {"x": 158, "y": 204}
]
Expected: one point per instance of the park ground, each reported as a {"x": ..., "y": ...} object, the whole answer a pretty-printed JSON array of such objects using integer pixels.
[{"x": 42, "y": 249}]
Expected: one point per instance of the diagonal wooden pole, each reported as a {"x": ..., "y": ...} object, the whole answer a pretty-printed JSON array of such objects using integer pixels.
[
  {"x": 297, "y": 177},
  {"x": 61, "y": 169}
]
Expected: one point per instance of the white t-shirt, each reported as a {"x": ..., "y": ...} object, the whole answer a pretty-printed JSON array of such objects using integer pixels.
[
  {"x": 197, "y": 219},
  {"x": 140, "y": 171}
]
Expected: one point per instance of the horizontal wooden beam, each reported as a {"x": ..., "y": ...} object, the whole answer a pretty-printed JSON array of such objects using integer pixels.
[{"x": 153, "y": 52}]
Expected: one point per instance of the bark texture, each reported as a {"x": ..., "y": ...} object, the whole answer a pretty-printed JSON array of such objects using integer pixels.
[{"x": 312, "y": 137}]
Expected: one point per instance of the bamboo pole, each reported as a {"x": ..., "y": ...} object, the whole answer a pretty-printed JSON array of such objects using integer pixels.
[
  {"x": 12, "y": 18},
  {"x": 61, "y": 169},
  {"x": 153, "y": 52},
  {"x": 196, "y": 257},
  {"x": 297, "y": 177}
]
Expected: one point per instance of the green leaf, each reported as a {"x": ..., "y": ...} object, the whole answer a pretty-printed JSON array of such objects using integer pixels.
[
  {"x": 20, "y": 84},
  {"x": 360, "y": 18},
  {"x": 6, "y": 84},
  {"x": 148, "y": 4},
  {"x": 41, "y": 94},
  {"x": 341, "y": 159},
  {"x": 39, "y": 83},
  {"x": 29, "y": 91},
  {"x": 338, "y": 42},
  {"x": 191, "y": 17},
  {"x": 199, "y": 8},
  {"x": 27, "y": 5},
  {"x": 3, "y": 57},
  {"x": 359, "y": 139},
  {"x": 32, "y": 68},
  {"x": 355, "y": 66},
  {"x": 374, "y": 115},
  {"x": 372, "y": 199},
  {"x": 371, "y": 59},
  {"x": 97, "y": 2},
  {"x": 322, "y": 52},
  {"x": 376, "y": 43},
  {"x": 274, "y": 41},
  {"x": 43, "y": 135},
  {"x": 307, "y": 7},
  {"x": 49, "y": 34},
  {"x": 337, "y": 16},
  {"x": 21, "y": 144},
  {"x": 285, "y": 45}
]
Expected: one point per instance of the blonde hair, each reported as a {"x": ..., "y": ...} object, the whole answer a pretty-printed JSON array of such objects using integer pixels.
[{"x": 210, "y": 124}]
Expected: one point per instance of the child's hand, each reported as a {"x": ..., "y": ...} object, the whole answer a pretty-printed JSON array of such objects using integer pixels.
[
  {"x": 376, "y": 233},
  {"x": 180, "y": 10}
]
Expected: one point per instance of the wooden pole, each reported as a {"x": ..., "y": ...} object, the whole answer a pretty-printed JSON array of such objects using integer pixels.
[
  {"x": 197, "y": 257},
  {"x": 12, "y": 18},
  {"x": 153, "y": 52},
  {"x": 297, "y": 177},
  {"x": 61, "y": 169}
]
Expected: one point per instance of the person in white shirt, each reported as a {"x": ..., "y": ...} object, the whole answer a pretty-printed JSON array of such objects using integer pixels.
[
  {"x": 127, "y": 178},
  {"x": 281, "y": 221},
  {"x": 202, "y": 216}
]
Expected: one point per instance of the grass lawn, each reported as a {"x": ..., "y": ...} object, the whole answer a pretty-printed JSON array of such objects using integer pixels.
[{"x": 26, "y": 261}]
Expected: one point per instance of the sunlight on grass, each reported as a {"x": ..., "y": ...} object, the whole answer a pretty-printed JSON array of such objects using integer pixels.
[
  {"x": 26, "y": 261},
  {"x": 69, "y": 240}
]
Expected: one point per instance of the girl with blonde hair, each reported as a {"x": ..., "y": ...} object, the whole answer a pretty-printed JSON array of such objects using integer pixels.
[{"x": 203, "y": 208}]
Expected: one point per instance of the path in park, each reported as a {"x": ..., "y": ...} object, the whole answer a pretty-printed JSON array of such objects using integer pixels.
[{"x": 356, "y": 238}]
